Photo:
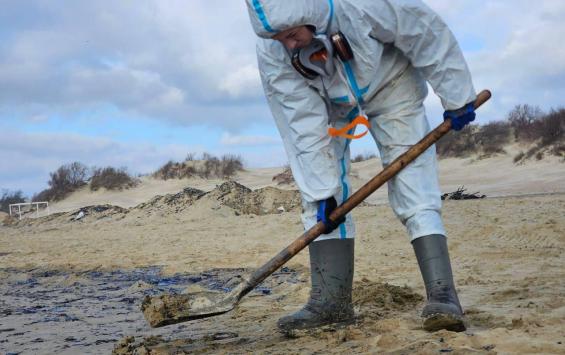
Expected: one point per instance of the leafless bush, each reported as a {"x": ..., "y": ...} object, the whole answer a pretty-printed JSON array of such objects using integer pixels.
[
  {"x": 522, "y": 119},
  {"x": 552, "y": 127},
  {"x": 9, "y": 198},
  {"x": 190, "y": 156},
  {"x": 558, "y": 150},
  {"x": 63, "y": 181},
  {"x": 209, "y": 167},
  {"x": 362, "y": 157},
  {"x": 230, "y": 165},
  {"x": 492, "y": 137},
  {"x": 531, "y": 152},
  {"x": 173, "y": 170},
  {"x": 458, "y": 144},
  {"x": 111, "y": 179},
  {"x": 519, "y": 157}
]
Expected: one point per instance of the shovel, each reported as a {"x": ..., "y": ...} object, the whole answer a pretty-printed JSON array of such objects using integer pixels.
[{"x": 176, "y": 308}]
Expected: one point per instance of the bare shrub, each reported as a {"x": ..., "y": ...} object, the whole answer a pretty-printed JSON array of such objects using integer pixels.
[
  {"x": 111, "y": 179},
  {"x": 165, "y": 172},
  {"x": 552, "y": 127},
  {"x": 531, "y": 152},
  {"x": 558, "y": 150},
  {"x": 458, "y": 144},
  {"x": 362, "y": 157},
  {"x": 172, "y": 170},
  {"x": 66, "y": 179},
  {"x": 492, "y": 137},
  {"x": 522, "y": 119},
  {"x": 519, "y": 157},
  {"x": 9, "y": 198},
  {"x": 209, "y": 167},
  {"x": 230, "y": 165},
  {"x": 524, "y": 124}
]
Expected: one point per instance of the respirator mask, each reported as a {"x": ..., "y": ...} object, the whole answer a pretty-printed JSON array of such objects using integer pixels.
[{"x": 317, "y": 59}]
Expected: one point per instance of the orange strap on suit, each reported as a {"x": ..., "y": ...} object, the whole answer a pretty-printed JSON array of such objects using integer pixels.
[{"x": 342, "y": 132}]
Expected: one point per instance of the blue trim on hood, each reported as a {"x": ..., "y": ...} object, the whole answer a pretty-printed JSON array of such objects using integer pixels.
[
  {"x": 331, "y": 14},
  {"x": 330, "y": 18},
  {"x": 262, "y": 17}
]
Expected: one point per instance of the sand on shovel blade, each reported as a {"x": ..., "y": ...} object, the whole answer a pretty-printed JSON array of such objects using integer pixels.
[{"x": 168, "y": 309}]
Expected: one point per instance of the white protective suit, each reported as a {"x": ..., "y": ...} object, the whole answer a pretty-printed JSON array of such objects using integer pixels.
[{"x": 398, "y": 45}]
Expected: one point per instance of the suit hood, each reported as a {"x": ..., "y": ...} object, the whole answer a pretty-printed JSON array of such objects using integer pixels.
[{"x": 268, "y": 17}]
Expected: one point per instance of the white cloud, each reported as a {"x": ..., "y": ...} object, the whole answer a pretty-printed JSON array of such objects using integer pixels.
[
  {"x": 157, "y": 59},
  {"x": 235, "y": 140},
  {"x": 243, "y": 82},
  {"x": 27, "y": 159}
]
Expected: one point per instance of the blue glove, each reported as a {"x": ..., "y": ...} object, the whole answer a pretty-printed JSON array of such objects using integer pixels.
[
  {"x": 461, "y": 117},
  {"x": 325, "y": 208}
]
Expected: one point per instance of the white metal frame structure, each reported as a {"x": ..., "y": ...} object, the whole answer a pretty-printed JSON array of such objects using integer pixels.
[{"x": 19, "y": 206}]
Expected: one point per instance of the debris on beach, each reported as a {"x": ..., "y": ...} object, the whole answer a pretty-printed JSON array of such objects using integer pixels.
[
  {"x": 79, "y": 215},
  {"x": 461, "y": 195}
]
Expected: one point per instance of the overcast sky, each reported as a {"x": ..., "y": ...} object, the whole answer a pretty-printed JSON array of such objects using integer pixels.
[{"x": 137, "y": 83}]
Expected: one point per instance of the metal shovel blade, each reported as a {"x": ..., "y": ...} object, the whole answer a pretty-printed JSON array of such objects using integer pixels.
[{"x": 168, "y": 309}]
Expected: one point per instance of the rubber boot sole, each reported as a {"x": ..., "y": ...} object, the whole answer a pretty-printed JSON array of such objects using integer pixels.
[{"x": 438, "y": 321}]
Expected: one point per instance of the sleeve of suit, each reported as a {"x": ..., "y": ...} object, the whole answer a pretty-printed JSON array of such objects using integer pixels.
[{"x": 417, "y": 31}]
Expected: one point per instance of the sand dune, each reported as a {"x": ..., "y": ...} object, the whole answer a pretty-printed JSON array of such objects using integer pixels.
[{"x": 495, "y": 176}]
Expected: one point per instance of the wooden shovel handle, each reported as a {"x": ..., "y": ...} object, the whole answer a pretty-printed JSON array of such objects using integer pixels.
[{"x": 386, "y": 174}]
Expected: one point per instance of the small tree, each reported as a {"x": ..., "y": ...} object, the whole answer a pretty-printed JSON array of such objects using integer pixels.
[
  {"x": 552, "y": 127},
  {"x": 522, "y": 119},
  {"x": 230, "y": 165},
  {"x": 9, "y": 198},
  {"x": 111, "y": 179},
  {"x": 66, "y": 179}
]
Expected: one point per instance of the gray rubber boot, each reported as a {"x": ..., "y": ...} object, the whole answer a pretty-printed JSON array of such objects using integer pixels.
[
  {"x": 331, "y": 268},
  {"x": 443, "y": 310}
]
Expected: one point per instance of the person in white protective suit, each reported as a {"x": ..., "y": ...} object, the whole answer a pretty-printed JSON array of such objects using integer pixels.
[{"x": 325, "y": 62}]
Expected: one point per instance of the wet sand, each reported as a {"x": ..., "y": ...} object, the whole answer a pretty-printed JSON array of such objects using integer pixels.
[{"x": 72, "y": 287}]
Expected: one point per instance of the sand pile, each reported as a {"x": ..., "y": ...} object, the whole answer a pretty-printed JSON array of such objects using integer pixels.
[
  {"x": 172, "y": 202},
  {"x": 376, "y": 299},
  {"x": 263, "y": 201},
  {"x": 241, "y": 199},
  {"x": 90, "y": 214},
  {"x": 284, "y": 178}
]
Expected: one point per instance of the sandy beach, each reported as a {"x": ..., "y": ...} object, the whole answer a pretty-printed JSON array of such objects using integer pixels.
[{"x": 75, "y": 285}]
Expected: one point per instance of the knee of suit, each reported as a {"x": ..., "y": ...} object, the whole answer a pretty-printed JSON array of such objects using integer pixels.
[
  {"x": 425, "y": 222},
  {"x": 345, "y": 230}
]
